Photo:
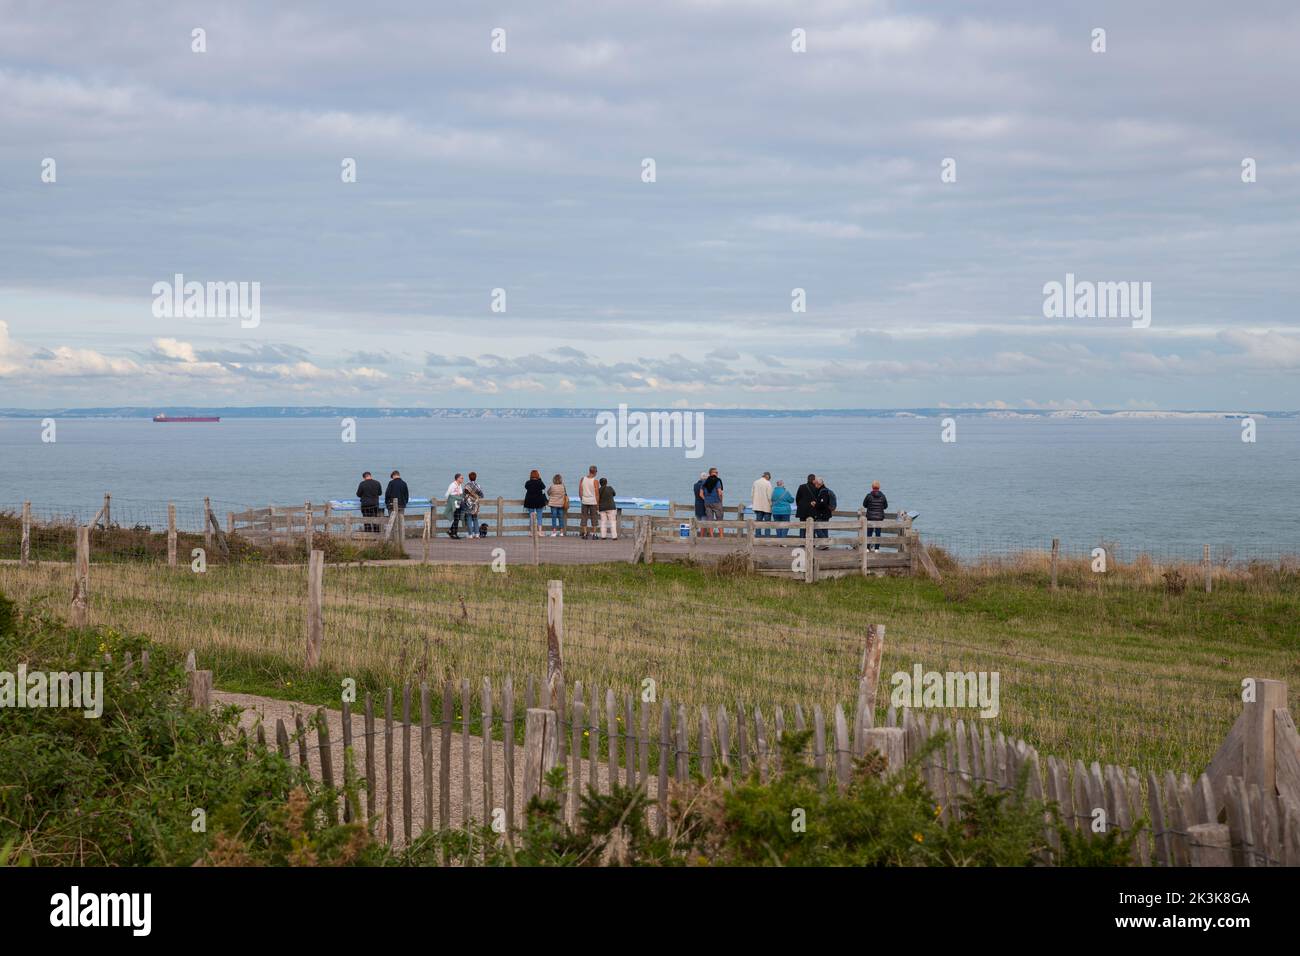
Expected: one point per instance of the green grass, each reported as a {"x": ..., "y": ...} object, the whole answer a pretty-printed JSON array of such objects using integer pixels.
[{"x": 1118, "y": 669}]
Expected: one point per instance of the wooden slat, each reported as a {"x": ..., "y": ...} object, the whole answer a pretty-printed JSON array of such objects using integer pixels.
[
  {"x": 760, "y": 743},
  {"x": 742, "y": 740},
  {"x": 489, "y": 804},
  {"x": 508, "y": 752},
  {"x": 611, "y": 736},
  {"x": 629, "y": 741},
  {"x": 819, "y": 743},
  {"x": 444, "y": 755},
  {"x": 388, "y": 766},
  {"x": 281, "y": 738},
  {"x": 778, "y": 722},
  {"x": 665, "y": 731},
  {"x": 645, "y": 744},
  {"x": 1162, "y": 844},
  {"x": 426, "y": 755},
  {"x": 724, "y": 743},
  {"x": 577, "y": 713},
  {"x": 843, "y": 756},
  {"x": 406, "y": 763},
  {"x": 683, "y": 751},
  {"x": 593, "y": 741},
  {"x": 466, "y": 798},
  {"x": 372, "y": 782},
  {"x": 706, "y": 746}
]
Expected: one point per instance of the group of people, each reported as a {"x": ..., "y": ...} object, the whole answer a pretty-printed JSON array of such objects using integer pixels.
[
  {"x": 772, "y": 502},
  {"x": 595, "y": 498},
  {"x": 395, "y": 496}
]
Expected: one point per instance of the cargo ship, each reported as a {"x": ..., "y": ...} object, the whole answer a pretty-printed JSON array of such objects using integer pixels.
[{"x": 187, "y": 418}]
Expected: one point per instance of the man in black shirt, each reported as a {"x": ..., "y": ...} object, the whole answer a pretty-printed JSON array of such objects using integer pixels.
[
  {"x": 397, "y": 495},
  {"x": 805, "y": 499},
  {"x": 369, "y": 491}
]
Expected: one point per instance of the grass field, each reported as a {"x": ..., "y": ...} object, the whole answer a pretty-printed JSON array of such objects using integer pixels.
[{"x": 1130, "y": 667}]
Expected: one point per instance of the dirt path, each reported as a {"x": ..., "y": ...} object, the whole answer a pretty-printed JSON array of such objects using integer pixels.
[{"x": 267, "y": 710}]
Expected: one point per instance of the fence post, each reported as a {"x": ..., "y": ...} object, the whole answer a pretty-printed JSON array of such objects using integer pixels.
[
  {"x": 108, "y": 510},
  {"x": 424, "y": 534},
  {"x": 554, "y": 635},
  {"x": 81, "y": 583},
  {"x": 207, "y": 525},
  {"x": 171, "y": 534},
  {"x": 537, "y": 542},
  {"x": 541, "y": 750},
  {"x": 501, "y": 513},
  {"x": 24, "y": 553},
  {"x": 888, "y": 741},
  {"x": 649, "y": 556},
  {"x": 749, "y": 542},
  {"x": 1056, "y": 549},
  {"x": 695, "y": 531},
  {"x": 200, "y": 688},
  {"x": 315, "y": 607},
  {"x": 1205, "y": 560},
  {"x": 872, "y": 652},
  {"x": 809, "y": 552},
  {"x": 862, "y": 540},
  {"x": 308, "y": 526},
  {"x": 1209, "y": 844}
]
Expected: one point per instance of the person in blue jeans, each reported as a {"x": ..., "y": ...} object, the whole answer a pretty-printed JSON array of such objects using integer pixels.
[
  {"x": 469, "y": 507},
  {"x": 557, "y": 498},
  {"x": 781, "y": 502}
]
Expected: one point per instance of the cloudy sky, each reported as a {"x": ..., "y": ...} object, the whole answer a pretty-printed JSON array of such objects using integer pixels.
[{"x": 774, "y": 170}]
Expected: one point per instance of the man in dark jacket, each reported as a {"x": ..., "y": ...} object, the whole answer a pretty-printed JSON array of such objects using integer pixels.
[
  {"x": 823, "y": 508},
  {"x": 804, "y": 500},
  {"x": 396, "y": 495},
  {"x": 875, "y": 504},
  {"x": 369, "y": 491}
]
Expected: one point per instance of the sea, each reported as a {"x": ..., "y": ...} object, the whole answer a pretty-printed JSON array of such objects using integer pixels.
[{"x": 1161, "y": 486}]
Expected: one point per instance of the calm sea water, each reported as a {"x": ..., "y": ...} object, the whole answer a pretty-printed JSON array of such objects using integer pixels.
[{"x": 1162, "y": 486}]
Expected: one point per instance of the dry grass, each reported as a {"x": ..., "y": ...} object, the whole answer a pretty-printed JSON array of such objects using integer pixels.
[{"x": 1116, "y": 667}]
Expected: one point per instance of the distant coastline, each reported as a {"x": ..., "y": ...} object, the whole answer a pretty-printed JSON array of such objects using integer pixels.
[{"x": 338, "y": 411}]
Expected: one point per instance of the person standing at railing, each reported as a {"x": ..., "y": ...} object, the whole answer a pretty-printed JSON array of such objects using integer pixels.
[
  {"x": 781, "y": 501},
  {"x": 396, "y": 495},
  {"x": 589, "y": 495},
  {"x": 697, "y": 495},
  {"x": 473, "y": 493},
  {"x": 455, "y": 498},
  {"x": 823, "y": 510},
  {"x": 805, "y": 500},
  {"x": 875, "y": 504},
  {"x": 557, "y": 498},
  {"x": 760, "y": 499},
  {"x": 369, "y": 491},
  {"x": 535, "y": 498},
  {"x": 712, "y": 493},
  {"x": 608, "y": 510}
]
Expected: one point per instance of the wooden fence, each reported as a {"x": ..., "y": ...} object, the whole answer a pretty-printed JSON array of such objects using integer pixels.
[{"x": 1243, "y": 810}]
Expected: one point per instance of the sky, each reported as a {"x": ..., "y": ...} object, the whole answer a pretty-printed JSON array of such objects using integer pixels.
[{"x": 922, "y": 172}]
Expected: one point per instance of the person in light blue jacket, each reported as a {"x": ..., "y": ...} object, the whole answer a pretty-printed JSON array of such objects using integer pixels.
[{"x": 781, "y": 502}]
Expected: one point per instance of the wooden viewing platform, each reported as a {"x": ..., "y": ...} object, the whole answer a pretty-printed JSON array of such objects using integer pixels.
[{"x": 643, "y": 536}]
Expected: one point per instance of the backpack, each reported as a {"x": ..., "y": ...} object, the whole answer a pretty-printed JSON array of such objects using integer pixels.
[{"x": 831, "y": 500}]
